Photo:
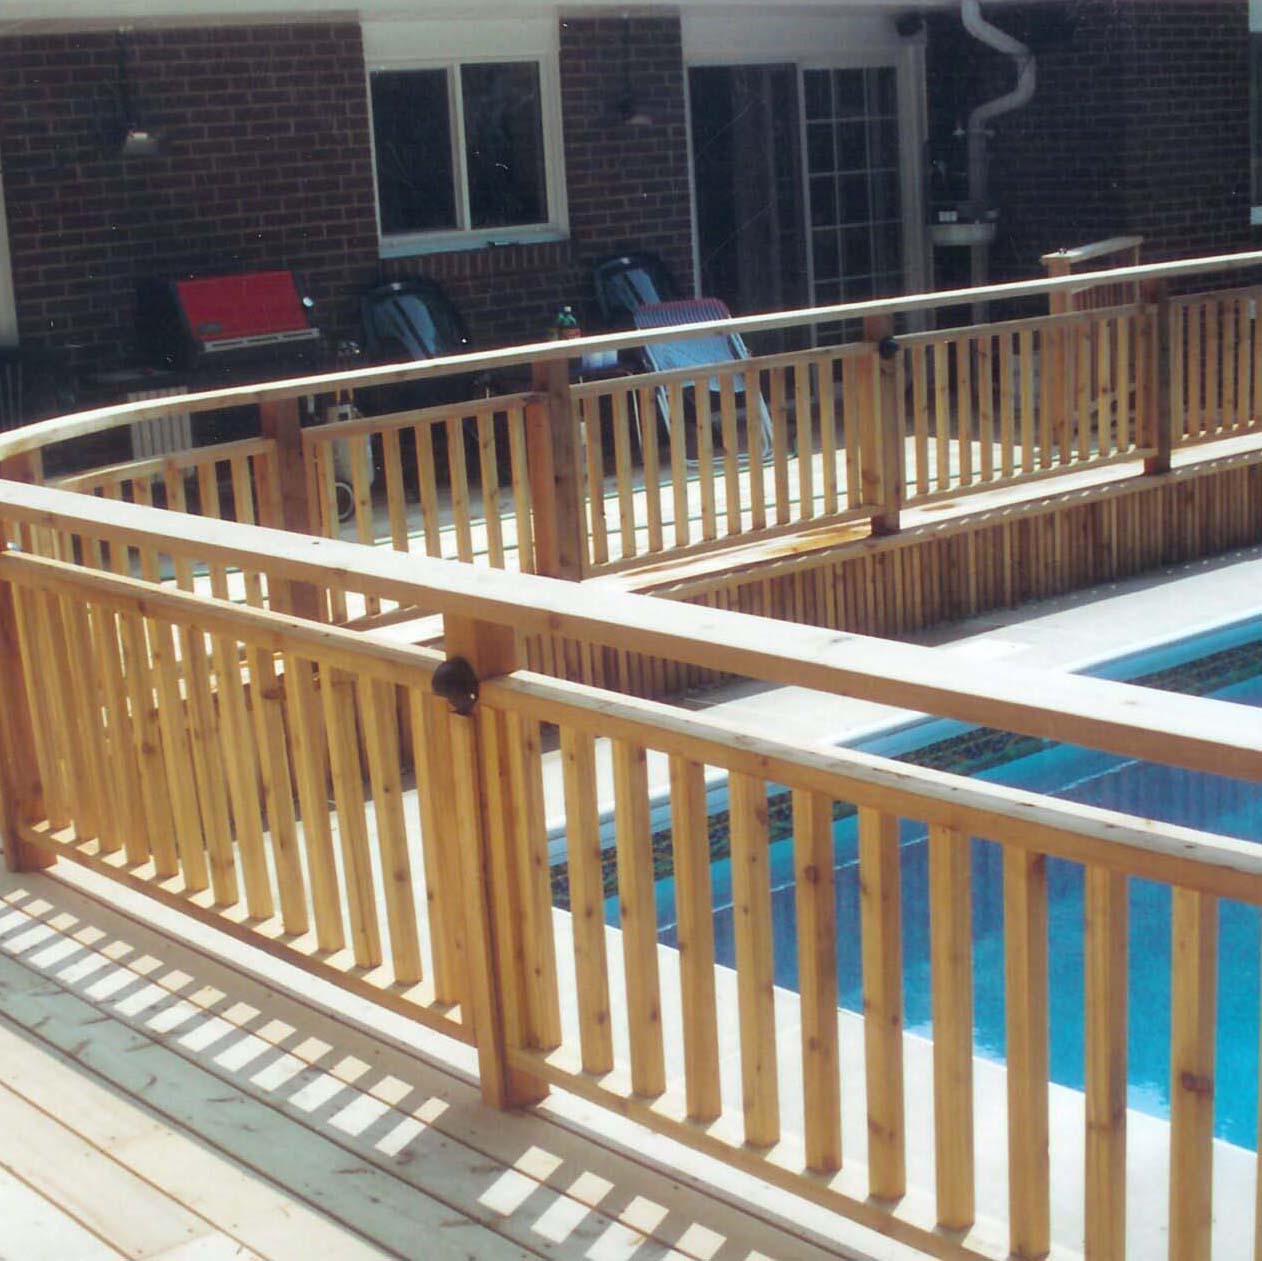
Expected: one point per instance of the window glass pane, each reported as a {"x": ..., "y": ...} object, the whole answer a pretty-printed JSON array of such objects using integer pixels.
[
  {"x": 819, "y": 96},
  {"x": 411, "y": 126},
  {"x": 503, "y": 118}
]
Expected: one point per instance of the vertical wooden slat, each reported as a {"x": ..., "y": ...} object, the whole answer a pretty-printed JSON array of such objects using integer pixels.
[
  {"x": 41, "y": 679},
  {"x": 942, "y": 411},
  {"x": 804, "y": 432},
  {"x": 1193, "y": 313},
  {"x": 379, "y": 715},
  {"x": 1025, "y": 363},
  {"x": 679, "y": 461},
  {"x": 920, "y": 416},
  {"x": 306, "y": 731},
  {"x": 1123, "y": 384},
  {"x": 458, "y": 479},
  {"x": 338, "y": 696},
  {"x": 126, "y": 795},
  {"x": 880, "y": 921},
  {"x": 652, "y": 467},
  {"x": 755, "y": 972},
  {"x": 1007, "y": 407},
  {"x": 624, "y": 472},
  {"x": 1193, "y": 995},
  {"x": 815, "y": 900},
  {"x": 532, "y": 876},
  {"x": 243, "y": 503},
  {"x": 587, "y": 900},
  {"x": 596, "y": 479},
  {"x": 1243, "y": 343},
  {"x": 951, "y": 955},
  {"x": 396, "y": 499},
  {"x": 1085, "y": 393},
  {"x": 1047, "y": 392},
  {"x": 520, "y": 473},
  {"x": 826, "y": 388},
  {"x": 188, "y": 848},
  {"x": 1025, "y": 997},
  {"x": 731, "y": 453},
  {"x": 83, "y": 714},
  {"x": 986, "y": 405},
  {"x": 1212, "y": 410},
  {"x": 690, "y": 842},
  {"x": 779, "y": 440},
  {"x": 241, "y": 761},
  {"x": 488, "y": 472},
  {"x": 431, "y": 750},
  {"x": 964, "y": 406},
  {"x": 755, "y": 439},
  {"x": 705, "y": 457},
  {"x": 1105, "y": 971},
  {"x": 427, "y": 488},
  {"x": 639, "y": 918}
]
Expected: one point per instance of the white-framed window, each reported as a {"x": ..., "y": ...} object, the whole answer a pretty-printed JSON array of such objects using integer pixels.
[{"x": 467, "y": 152}]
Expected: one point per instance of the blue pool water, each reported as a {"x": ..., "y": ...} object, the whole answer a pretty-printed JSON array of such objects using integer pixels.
[{"x": 1208, "y": 802}]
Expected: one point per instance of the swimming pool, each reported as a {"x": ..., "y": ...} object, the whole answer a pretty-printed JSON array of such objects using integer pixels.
[{"x": 1225, "y": 664}]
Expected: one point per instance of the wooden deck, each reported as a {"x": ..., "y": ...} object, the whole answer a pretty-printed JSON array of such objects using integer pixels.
[{"x": 157, "y": 1102}]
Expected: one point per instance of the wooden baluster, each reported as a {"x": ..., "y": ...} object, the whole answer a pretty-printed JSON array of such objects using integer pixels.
[
  {"x": 1193, "y": 318},
  {"x": 1007, "y": 406},
  {"x": 986, "y": 406},
  {"x": 1239, "y": 418},
  {"x": 690, "y": 842},
  {"x": 1025, "y": 996},
  {"x": 380, "y": 717},
  {"x": 652, "y": 466},
  {"x": 964, "y": 407},
  {"x": 942, "y": 412},
  {"x": 804, "y": 433},
  {"x": 293, "y": 471},
  {"x": 1165, "y": 381},
  {"x": 396, "y": 497},
  {"x": 587, "y": 900},
  {"x": 479, "y": 778},
  {"x": 1025, "y": 363},
  {"x": 755, "y": 441},
  {"x": 337, "y": 693},
  {"x": 243, "y": 503},
  {"x": 815, "y": 899},
  {"x": 731, "y": 454},
  {"x": 21, "y": 789},
  {"x": 880, "y": 921},
  {"x": 920, "y": 415},
  {"x": 1194, "y": 944},
  {"x": 458, "y": 474},
  {"x": 311, "y": 771},
  {"x": 827, "y": 430},
  {"x": 625, "y": 473},
  {"x": 705, "y": 457},
  {"x": 755, "y": 974},
  {"x": 951, "y": 947},
  {"x": 440, "y": 854},
  {"x": 519, "y": 465},
  {"x": 488, "y": 472},
  {"x": 678, "y": 461},
  {"x": 779, "y": 440},
  {"x": 1105, "y": 972},
  {"x": 427, "y": 488},
  {"x": 637, "y": 903}
]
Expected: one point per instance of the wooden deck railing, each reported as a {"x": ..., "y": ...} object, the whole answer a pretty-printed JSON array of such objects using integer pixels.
[
  {"x": 376, "y": 814},
  {"x": 575, "y": 480}
]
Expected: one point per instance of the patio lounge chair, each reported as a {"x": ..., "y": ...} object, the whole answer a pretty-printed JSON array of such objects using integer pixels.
[
  {"x": 627, "y": 282},
  {"x": 699, "y": 351}
]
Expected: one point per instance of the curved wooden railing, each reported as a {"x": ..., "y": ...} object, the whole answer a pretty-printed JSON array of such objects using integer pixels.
[
  {"x": 333, "y": 798},
  {"x": 576, "y": 479}
]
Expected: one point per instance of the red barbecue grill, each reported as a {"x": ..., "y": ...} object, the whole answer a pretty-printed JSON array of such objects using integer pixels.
[{"x": 216, "y": 322}]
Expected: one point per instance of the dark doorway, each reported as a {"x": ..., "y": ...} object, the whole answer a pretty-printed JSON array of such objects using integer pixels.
[{"x": 747, "y": 163}]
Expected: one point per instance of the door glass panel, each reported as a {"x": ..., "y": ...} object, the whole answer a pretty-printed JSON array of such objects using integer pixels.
[{"x": 852, "y": 128}]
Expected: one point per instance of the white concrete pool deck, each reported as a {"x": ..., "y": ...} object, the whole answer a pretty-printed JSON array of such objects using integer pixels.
[{"x": 1058, "y": 635}]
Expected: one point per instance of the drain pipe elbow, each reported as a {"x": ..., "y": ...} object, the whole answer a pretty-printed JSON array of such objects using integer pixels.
[{"x": 1000, "y": 41}]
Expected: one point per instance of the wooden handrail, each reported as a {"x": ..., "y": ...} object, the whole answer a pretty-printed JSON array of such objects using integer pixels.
[
  {"x": 1097, "y": 249},
  {"x": 60, "y": 429},
  {"x": 1185, "y": 731}
]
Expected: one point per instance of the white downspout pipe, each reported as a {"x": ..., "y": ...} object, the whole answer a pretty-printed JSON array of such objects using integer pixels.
[{"x": 1000, "y": 41}]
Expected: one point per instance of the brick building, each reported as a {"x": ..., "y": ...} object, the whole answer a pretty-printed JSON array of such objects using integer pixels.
[{"x": 774, "y": 159}]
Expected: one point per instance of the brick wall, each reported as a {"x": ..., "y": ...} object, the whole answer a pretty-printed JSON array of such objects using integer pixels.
[
  {"x": 265, "y": 163},
  {"x": 627, "y": 186},
  {"x": 1139, "y": 124}
]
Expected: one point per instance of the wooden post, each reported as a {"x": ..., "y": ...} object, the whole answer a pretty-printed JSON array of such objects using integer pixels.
[
  {"x": 499, "y": 1007},
  {"x": 288, "y": 507},
  {"x": 1058, "y": 302},
  {"x": 883, "y": 452},
  {"x": 1161, "y": 409},
  {"x": 552, "y": 462},
  {"x": 21, "y": 795}
]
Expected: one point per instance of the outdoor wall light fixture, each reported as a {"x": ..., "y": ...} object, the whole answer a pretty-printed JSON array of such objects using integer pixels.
[
  {"x": 136, "y": 140},
  {"x": 628, "y": 106}
]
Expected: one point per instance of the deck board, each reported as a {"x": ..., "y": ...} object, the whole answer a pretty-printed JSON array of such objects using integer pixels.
[{"x": 270, "y": 1080}]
